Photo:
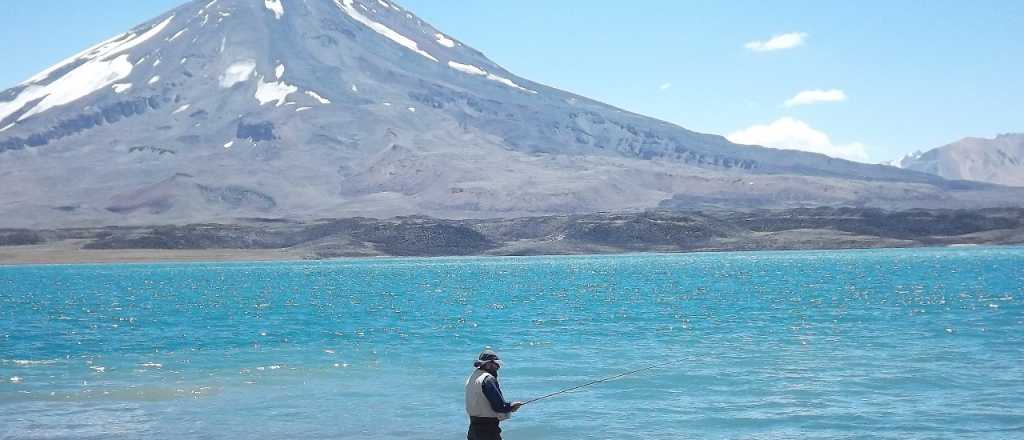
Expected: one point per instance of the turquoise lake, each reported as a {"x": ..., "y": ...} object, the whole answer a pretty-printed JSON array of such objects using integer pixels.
[{"x": 881, "y": 344}]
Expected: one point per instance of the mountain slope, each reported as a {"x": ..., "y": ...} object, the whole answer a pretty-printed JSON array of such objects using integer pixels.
[
  {"x": 328, "y": 108},
  {"x": 999, "y": 161}
]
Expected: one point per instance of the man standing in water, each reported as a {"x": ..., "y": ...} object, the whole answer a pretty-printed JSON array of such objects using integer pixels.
[{"x": 485, "y": 404}]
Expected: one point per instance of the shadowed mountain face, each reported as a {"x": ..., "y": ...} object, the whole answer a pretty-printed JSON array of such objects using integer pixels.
[
  {"x": 999, "y": 161},
  {"x": 331, "y": 108}
]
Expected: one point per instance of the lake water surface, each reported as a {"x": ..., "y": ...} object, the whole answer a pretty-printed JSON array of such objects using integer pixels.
[{"x": 890, "y": 344}]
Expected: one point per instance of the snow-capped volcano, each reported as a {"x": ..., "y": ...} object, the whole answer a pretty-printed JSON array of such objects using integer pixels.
[{"x": 327, "y": 108}]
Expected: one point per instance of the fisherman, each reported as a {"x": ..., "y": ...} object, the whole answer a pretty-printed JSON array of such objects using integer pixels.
[{"x": 485, "y": 404}]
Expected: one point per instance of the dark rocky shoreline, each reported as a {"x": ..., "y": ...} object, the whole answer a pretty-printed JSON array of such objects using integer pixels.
[{"x": 656, "y": 231}]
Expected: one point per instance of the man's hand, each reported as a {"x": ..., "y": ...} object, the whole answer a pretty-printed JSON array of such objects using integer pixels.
[{"x": 516, "y": 406}]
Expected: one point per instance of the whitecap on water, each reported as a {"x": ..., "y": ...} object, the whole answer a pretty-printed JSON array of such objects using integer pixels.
[{"x": 29, "y": 363}]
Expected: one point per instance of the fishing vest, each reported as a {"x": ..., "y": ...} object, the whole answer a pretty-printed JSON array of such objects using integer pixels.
[{"x": 477, "y": 404}]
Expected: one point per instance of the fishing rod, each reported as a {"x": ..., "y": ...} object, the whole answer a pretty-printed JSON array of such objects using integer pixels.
[{"x": 606, "y": 379}]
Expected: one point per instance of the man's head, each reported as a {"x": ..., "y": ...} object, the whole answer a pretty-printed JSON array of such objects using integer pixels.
[{"x": 488, "y": 361}]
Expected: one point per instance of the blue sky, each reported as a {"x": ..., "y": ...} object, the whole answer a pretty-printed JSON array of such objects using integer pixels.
[{"x": 882, "y": 78}]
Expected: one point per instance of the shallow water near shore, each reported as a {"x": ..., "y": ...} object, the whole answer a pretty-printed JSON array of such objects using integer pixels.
[{"x": 892, "y": 344}]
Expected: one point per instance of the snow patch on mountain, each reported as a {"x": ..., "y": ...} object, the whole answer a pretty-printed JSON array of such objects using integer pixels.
[
  {"x": 78, "y": 83},
  {"x": 474, "y": 70},
  {"x": 237, "y": 72},
  {"x": 205, "y": 8},
  {"x": 509, "y": 83},
  {"x": 467, "y": 68},
  {"x": 181, "y": 109},
  {"x": 279, "y": 71},
  {"x": 102, "y": 69},
  {"x": 8, "y": 126},
  {"x": 444, "y": 41},
  {"x": 104, "y": 49},
  {"x": 29, "y": 94},
  {"x": 121, "y": 88},
  {"x": 133, "y": 40},
  {"x": 348, "y": 7},
  {"x": 904, "y": 161},
  {"x": 317, "y": 97},
  {"x": 274, "y": 91},
  {"x": 275, "y": 6},
  {"x": 155, "y": 79},
  {"x": 177, "y": 34},
  {"x": 46, "y": 73}
]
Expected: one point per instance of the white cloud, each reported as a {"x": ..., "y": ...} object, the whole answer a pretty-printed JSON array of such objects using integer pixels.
[
  {"x": 778, "y": 42},
  {"x": 665, "y": 86},
  {"x": 792, "y": 134},
  {"x": 815, "y": 96}
]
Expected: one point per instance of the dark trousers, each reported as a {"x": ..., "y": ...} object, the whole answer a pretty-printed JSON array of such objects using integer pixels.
[{"x": 483, "y": 428}]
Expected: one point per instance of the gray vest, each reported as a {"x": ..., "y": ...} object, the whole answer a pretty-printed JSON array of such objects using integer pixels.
[{"x": 477, "y": 404}]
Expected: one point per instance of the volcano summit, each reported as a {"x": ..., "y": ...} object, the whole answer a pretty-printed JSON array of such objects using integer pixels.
[{"x": 304, "y": 109}]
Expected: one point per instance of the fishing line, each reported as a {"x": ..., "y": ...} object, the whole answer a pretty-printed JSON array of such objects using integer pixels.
[{"x": 606, "y": 379}]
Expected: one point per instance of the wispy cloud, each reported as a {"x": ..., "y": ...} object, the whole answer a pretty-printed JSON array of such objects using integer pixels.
[
  {"x": 815, "y": 96},
  {"x": 792, "y": 134},
  {"x": 778, "y": 42},
  {"x": 665, "y": 86}
]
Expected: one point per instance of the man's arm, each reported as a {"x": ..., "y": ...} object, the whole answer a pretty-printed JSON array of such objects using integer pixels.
[{"x": 494, "y": 396}]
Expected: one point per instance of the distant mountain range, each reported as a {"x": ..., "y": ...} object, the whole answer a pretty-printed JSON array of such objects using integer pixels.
[
  {"x": 999, "y": 161},
  {"x": 306, "y": 109}
]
